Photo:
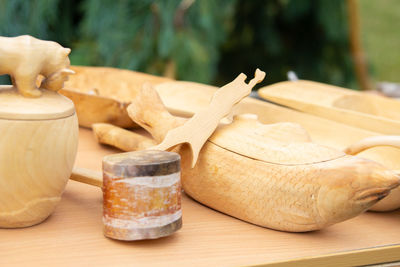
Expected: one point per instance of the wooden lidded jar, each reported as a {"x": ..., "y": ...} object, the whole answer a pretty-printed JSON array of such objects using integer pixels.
[{"x": 38, "y": 145}]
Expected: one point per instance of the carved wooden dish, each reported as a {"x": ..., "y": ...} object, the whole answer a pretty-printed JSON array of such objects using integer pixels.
[
  {"x": 367, "y": 111},
  {"x": 195, "y": 97},
  {"x": 101, "y": 94},
  {"x": 186, "y": 98},
  {"x": 271, "y": 175}
]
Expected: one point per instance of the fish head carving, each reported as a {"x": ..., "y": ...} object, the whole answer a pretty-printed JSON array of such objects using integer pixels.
[{"x": 351, "y": 185}]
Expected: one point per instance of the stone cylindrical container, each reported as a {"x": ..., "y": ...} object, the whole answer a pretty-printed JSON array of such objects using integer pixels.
[{"x": 141, "y": 194}]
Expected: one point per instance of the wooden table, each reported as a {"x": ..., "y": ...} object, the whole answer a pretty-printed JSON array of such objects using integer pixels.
[{"x": 73, "y": 236}]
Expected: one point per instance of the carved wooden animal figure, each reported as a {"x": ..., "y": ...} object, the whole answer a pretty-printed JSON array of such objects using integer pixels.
[
  {"x": 39, "y": 137},
  {"x": 25, "y": 57},
  {"x": 200, "y": 127},
  {"x": 270, "y": 175}
]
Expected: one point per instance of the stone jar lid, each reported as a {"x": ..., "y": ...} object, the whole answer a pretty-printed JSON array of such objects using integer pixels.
[
  {"x": 50, "y": 106},
  {"x": 142, "y": 163}
]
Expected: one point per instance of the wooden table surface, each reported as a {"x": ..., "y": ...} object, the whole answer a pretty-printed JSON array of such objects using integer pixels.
[{"x": 72, "y": 235}]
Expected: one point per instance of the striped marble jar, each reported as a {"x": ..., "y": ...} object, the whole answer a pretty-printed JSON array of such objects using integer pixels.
[{"x": 141, "y": 195}]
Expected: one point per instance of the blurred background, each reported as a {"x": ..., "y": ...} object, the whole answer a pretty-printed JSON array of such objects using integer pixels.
[{"x": 348, "y": 43}]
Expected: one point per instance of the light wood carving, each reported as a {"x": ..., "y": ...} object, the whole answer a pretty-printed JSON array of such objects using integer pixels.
[
  {"x": 102, "y": 94},
  {"x": 38, "y": 144},
  {"x": 285, "y": 182},
  {"x": 87, "y": 176},
  {"x": 392, "y": 201},
  {"x": 367, "y": 111},
  {"x": 39, "y": 135},
  {"x": 109, "y": 134},
  {"x": 200, "y": 127},
  {"x": 24, "y": 58},
  {"x": 186, "y": 98},
  {"x": 373, "y": 141}
]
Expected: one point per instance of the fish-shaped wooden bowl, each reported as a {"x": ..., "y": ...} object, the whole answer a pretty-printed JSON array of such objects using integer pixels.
[
  {"x": 271, "y": 175},
  {"x": 367, "y": 111},
  {"x": 186, "y": 98}
]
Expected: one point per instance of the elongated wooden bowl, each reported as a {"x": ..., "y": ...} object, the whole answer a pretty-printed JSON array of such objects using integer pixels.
[
  {"x": 371, "y": 112},
  {"x": 101, "y": 94}
]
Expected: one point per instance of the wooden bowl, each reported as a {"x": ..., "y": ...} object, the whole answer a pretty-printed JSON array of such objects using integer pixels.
[
  {"x": 101, "y": 94},
  {"x": 38, "y": 144}
]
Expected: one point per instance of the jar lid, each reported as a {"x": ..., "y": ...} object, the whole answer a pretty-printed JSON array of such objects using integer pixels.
[
  {"x": 141, "y": 163},
  {"x": 51, "y": 105}
]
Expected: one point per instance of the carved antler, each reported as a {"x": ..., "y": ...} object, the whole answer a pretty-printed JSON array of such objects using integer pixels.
[{"x": 200, "y": 127}]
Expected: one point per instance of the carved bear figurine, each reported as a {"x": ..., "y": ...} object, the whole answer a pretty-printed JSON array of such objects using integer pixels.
[{"x": 25, "y": 57}]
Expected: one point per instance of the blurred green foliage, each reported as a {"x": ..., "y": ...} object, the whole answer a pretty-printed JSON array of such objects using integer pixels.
[
  {"x": 309, "y": 37},
  {"x": 147, "y": 35},
  {"x": 206, "y": 41},
  {"x": 380, "y": 23}
]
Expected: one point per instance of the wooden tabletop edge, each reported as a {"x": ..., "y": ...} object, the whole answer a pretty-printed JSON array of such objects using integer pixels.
[{"x": 357, "y": 257}]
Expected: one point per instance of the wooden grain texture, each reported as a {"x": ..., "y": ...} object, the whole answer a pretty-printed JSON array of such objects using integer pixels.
[
  {"x": 101, "y": 94},
  {"x": 383, "y": 256},
  {"x": 201, "y": 126},
  {"x": 24, "y": 58},
  {"x": 109, "y": 134},
  {"x": 293, "y": 185},
  {"x": 373, "y": 141},
  {"x": 283, "y": 143},
  {"x": 72, "y": 235},
  {"x": 185, "y": 98},
  {"x": 38, "y": 143},
  {"x": 367, "y": 111},
  {"x": 118, "y": 84},
  {"x": 97, "y": 109},
  {"x": 87, "y": 176},
  {"x": 36, "y": 162},
  {"x": 50, "y": 106},
  {"x": 189, "y": 97}
]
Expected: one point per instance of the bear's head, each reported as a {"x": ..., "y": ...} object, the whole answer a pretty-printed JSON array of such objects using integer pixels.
[{"x": 57, "y": 70}]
